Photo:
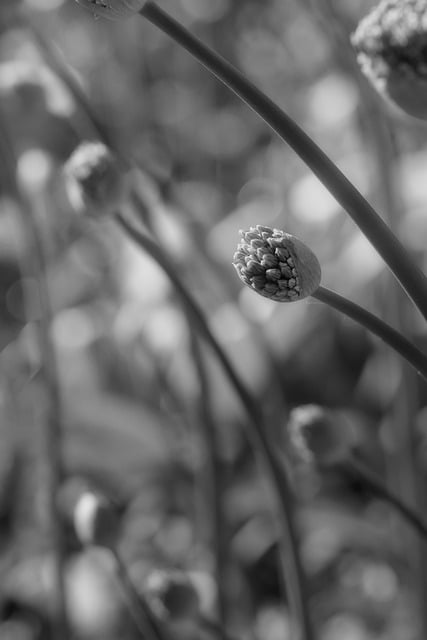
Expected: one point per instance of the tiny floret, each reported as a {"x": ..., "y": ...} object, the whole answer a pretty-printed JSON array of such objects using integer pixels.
[
  {"x": 318, "y": 435},
  {"x": 172, "y": 595},
  {"x": 94, "y": 180},
  {"x": 276, "y": 264},
  {"x": 113, "y": 9},
  {"x": 391, "y": 46}
]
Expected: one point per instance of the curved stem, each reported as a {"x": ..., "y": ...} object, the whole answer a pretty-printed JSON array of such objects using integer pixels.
[
  {"x": 292, "y": 569},
  {"x": 34, "y": 263},
  {"x": 388, "y": 246},
  {"x": 213, "y": 479},
  {"x": 375, "y": 484},
  {"x": 375, "y": 325},
  {"x": 139, "y": 608}
]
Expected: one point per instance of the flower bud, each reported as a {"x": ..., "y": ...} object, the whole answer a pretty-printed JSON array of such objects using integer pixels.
[
  {"x": 276, "y": 264},
  {"x": 94, "y": 180},
  {"x": 390, "y": 43},
  {"x": 96, "y": 520},
  {"x": 319, "y": 435},
  {"x": 172, "y": 595},
  {"x": 113, "y": 9}
]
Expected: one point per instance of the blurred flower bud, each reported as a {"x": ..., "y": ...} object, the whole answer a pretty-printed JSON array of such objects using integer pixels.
[
  {"x": 172, "y": 595},
  {"x": 96, "y": 520},
  {"x": 276, "y": 264},
  {"x": 94, "y": 180},
  {"x": 319, "y": 435},
  {"x": 391, "y": 49},
  {"x": 113, "y": 9}
]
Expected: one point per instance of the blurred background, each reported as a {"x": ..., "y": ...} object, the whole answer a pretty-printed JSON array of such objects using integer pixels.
[{"x": 134, "y": 406}]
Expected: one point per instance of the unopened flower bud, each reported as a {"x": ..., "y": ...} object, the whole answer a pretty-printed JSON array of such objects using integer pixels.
[
  {"x": 172, "y": 595},
  {"x": 94, "y": 180},
  {"x": 96, "y": 520},
  {"x": 318, "y": 435},
  {"x": 113, "y": 9},
  {"x": 391, "y": 44},
  {"x": 276, "y": 264}
]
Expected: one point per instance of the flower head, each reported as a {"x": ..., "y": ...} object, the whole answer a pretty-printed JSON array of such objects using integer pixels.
[
  {"x": 319, "y": 435},
  {"x": 94, "y": 179},
  {"x": 391, "y": 43},
  {"x": 276, "y": 265},
  {"x": 172, "y": 595},
  {"x": 113, "y": 9}
]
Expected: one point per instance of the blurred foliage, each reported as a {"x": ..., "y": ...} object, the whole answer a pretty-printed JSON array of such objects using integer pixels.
[{"x": 207, "y": 166}]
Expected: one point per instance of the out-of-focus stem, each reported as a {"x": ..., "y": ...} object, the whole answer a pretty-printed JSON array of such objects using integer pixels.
[
  {"x": 388, "y": 246},
  {"x": 355, "y": 469},
  {"x": 293, "y": 574},
  {"x": 139, "y": 609},
  {"x": 53, "y": 57},
  {"x": 214, "y": 480},
  {"x": 34, "y": 265}
]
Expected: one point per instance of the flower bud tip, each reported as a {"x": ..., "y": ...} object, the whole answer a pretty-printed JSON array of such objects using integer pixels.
[{"x": 276, "y": 264}]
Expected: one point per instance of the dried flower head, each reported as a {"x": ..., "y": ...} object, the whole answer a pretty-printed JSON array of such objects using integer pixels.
[
  {"x": 96, "y": 520},
  {"x": 172, "y": 595},
  {"x": 391, "y": 46},
  {"x": 276, "y": 264},
  {"x": 319, "y": 435},
  {"x": 94, "y": 179},
  {"x": 113, "y": 9}
]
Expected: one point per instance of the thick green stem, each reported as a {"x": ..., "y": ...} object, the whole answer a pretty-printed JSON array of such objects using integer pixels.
[
  {"x": 292, "y": 569},
  {"x": 363, "y": 214},
  {"x": 375, "y": 325}
]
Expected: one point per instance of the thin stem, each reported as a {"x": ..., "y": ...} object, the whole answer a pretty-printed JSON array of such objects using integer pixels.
[
  {"x": 374, "y": 483},
  {"x": 290, "y": 556},
  {"x": 139, "y": 608},
  {"x": 375, "y": 325},
  {"x": 54, "y": 59},
  {"x": 214, "y": 480},
  {"x": 388, "y": 246},
  {"x": 34, "y": 263}
]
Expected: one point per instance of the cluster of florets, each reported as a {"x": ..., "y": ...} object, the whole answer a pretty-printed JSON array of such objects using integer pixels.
[
  {"x": 319, "y": 435},
  {"x": 95, "y": 180},
  {"x": 113, "y": 9},
  {"x": 391, "y": 43},
  {"x": 276, "y": 264}
]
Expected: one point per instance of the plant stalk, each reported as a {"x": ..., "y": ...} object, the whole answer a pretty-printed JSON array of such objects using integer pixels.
[
  {"x": 143, "y": 617},
  {"x": 34, "y": 264},
  {"x": 213, "y": 475},
  {"x": 375, "y": 325},
  {"x": 289, "y": 549},
  {"x": 355, "y": 469},
  {"x": 364, "y": 215}
]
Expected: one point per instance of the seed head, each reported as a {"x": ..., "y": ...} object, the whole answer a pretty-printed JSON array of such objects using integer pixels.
[
  {"x": 172, "y": 595},
  {"x": 318, "y": 435},
  {"x": 113, "y": 9},
  {"x": 94, "y": 179},
  {"x": 96, "y": 520},
  {"x": 391, "y": 46},
  {"x": 276, "y": 265}
]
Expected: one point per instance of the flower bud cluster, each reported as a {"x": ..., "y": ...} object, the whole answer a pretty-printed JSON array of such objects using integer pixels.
[
  {"x": 276, "y": 264},
  {"x": 391, "y": 43}
]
